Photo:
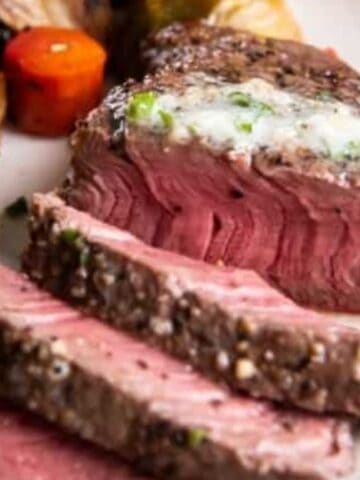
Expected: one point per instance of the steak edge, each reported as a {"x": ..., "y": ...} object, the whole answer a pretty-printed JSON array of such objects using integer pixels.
[
  {"x": 151, "y": 410},
  {"x": 31, "y": 449},
  {"x": 227, "y": 323}
]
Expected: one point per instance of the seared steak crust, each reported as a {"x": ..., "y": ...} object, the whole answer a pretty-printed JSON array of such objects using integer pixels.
[
  {"x": 151, "y": 410},
  {"x": 240, "y": 55},
  {"x": 227, "y": 323},
  {"x": 234, "y": 56},
  {"x": 31, "y": 448}
]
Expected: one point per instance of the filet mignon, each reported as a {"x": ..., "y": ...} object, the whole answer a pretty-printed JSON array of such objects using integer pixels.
[
  {"x": 31, "y": 449},
  {"x": 243, "y": 151},
  {"x": 227, "y": 323},
  {"x": 148, "y": 408}
]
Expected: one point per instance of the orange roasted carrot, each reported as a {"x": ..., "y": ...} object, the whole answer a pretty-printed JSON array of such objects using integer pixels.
[{"x": 54, "y": 76}]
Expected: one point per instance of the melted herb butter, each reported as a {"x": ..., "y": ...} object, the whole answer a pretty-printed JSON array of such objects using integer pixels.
[{"x": 244, "y": 117}]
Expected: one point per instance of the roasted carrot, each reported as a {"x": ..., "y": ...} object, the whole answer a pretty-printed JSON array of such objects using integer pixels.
[{"x": 54, "y": 76}]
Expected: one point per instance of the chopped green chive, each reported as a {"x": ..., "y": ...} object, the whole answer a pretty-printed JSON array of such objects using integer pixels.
[
  {"x": 18, "y": 208},
  {"x": 244, "y": 127},
  {"x": 70, "y": 236},
  {"x": 352, "y": 150},
  {"x": 196, "y": 437},
  {"x": 193, "y": 130},
  {"x": 241, "y": 99},
  {"x": 140, "y": 106},
  {"x": 167, "y": 119},
  {"x": 247, "y": 101},
  {"x": 264, "y": 107}
]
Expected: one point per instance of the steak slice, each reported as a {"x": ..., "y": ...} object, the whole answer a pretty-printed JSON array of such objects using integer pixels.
[
  {"x": 31, "y": 450},
  {"x": 152, "y": 410},
  {"x": 227, "y": 323},
  {"x": 275, "y": 190}
]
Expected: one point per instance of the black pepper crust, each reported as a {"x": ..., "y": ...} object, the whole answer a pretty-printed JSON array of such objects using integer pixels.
[
  {"x": 316, "y": 368},
  {"x": 98, "y": 412},
  {"x": 237, "y": 54},
  {"x": 51, "y": 367},
  {"x": 84, "y": 405}
]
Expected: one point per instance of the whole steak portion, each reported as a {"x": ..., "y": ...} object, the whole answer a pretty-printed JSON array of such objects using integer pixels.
[
  {"x": 153, "y": 411},
  {"x": 275, "y": 190},
  {"x": 31, "y": 449},
  {"x": 227, "y": 323}
]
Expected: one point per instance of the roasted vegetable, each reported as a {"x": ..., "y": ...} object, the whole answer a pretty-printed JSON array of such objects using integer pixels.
[
  {"x": 270, "y": 18},
  {"x": 163, "y": 12},
  {"x": 93, "y": 16},
  {"x": 135, "y": 18},
  {"x": 265, "y": 17},
  {"x": 54, "y": 75}
]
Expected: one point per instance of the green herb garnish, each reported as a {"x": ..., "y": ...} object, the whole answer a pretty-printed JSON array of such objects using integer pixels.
[
  {"x": 264, "y": 107},
  {"x": 244, "y": 127},
  {"x": 140, "y": 106},
  {"x": 17, "y": 209},
  {"x": 70, "y": 236},
  {"x": 193, "y": 130},
  {"x": 247, "y": 101},
  {"x": 352, "y": 150},
  {"x": 197, "y": 436},
  {"x": 167, "y": 119},
  {"x": 241, "y": 99}
]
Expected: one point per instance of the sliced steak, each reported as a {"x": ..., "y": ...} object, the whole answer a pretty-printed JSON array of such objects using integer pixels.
[
  {"x": 150, "y": 409},
  {"x": 247, "y": 155},
  {"x": 31, "y": 450},
  {"x": 227, "y": 323}
]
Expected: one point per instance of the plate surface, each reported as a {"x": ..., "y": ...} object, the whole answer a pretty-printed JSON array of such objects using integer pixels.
[
  {"x": 331, "y": 23},
  {"x": 29, "y": 164}
]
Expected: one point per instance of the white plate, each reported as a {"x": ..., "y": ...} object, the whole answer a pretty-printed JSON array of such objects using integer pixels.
[{"x": 28, "y": 165}]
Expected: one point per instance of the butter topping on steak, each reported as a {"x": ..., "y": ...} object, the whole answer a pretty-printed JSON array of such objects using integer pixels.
[{"x": 244, "y": 117}]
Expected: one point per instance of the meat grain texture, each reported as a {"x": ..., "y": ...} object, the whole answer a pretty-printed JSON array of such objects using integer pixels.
[
  {"x": 151, "y": 410},
  {"x": 292, "y": 216},
  {"x": 227, "y": 323}
]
